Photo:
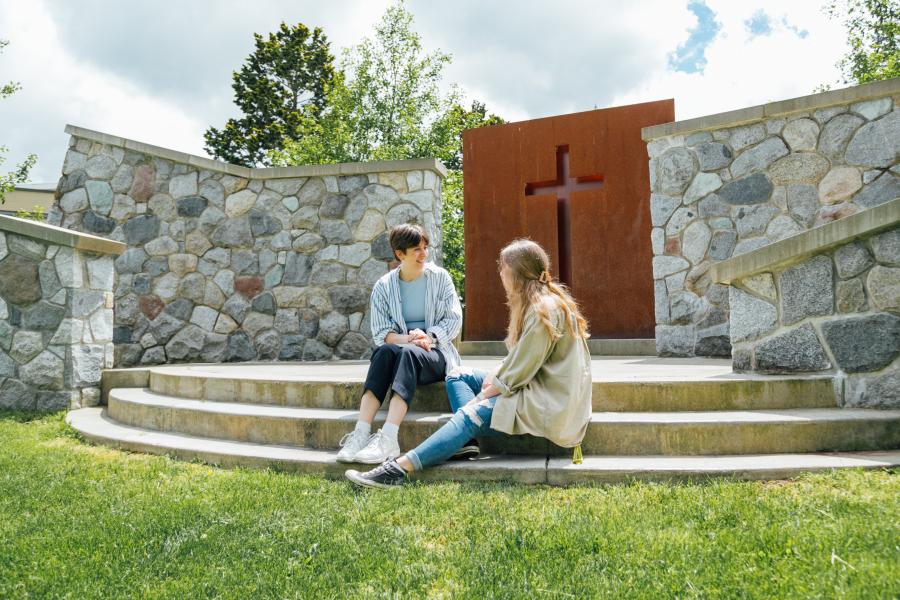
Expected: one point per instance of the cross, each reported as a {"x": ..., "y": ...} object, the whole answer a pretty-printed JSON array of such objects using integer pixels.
[{"x": 562, "y": 187}]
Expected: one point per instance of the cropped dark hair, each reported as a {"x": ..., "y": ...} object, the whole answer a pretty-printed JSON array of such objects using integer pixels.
[{"x": 406, "y": 236}]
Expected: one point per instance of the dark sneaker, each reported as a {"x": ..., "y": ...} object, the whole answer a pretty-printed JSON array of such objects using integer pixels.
[
  {"x": 385, "y": 476},
  {"x": 469, "y": 450}
]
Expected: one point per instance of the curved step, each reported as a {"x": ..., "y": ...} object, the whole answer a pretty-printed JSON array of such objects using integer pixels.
[
  {"x": 609, "y": 433},
  {"x": 96, "y": 426},
  {"x": 621, "y": 385}
]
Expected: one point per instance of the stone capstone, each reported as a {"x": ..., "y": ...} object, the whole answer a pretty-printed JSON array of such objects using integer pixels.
[
  {"x": 867, "y": 343},
  {"x": 806, "y": 290},
  {"x": 798, "y": 350}
]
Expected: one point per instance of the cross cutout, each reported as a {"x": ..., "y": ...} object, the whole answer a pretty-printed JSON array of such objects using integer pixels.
[{"x": 562, "y": 187}]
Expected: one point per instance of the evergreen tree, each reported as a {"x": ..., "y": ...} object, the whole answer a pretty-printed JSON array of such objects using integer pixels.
[{"x": 280, "y": 87}]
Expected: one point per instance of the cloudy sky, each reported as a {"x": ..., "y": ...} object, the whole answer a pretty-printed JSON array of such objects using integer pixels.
[{"x": 160, "y": 71}]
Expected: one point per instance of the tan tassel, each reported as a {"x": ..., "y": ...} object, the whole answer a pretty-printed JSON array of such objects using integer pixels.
[{"x": 577, "y": 457}]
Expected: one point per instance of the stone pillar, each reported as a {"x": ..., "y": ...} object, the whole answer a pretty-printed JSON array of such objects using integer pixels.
[{"x": 56, "y": 315}]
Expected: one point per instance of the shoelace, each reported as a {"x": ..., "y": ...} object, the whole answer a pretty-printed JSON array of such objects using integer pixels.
[{"x": 347, "y": 437}]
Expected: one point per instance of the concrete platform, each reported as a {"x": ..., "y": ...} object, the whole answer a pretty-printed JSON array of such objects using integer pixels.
[
  {"x": 620, "y": 384},
  {"x": 97, "y": 427}
]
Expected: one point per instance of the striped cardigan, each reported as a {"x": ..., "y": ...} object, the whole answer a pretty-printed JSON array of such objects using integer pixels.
[{"x": 443, "y": 313}]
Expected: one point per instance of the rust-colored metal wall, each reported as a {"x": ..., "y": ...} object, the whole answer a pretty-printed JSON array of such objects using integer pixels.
[{"x": 507, "y": 170}]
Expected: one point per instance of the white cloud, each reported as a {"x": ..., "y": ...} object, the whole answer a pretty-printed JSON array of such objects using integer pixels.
[
  {"x": 159, "y": 72},
  {"x": 745, "y": 70}
]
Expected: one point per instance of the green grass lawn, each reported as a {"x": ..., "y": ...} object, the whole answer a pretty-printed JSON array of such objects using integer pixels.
[{"x": 80, "y": 521}]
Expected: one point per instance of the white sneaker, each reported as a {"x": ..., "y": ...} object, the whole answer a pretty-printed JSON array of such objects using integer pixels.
[
  {"x": 379, "y": 449},
  {"x": 351, "y": 444}
]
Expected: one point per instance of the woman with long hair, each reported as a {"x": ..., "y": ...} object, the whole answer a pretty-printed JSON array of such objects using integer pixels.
[{"x": 542, "y": 387}]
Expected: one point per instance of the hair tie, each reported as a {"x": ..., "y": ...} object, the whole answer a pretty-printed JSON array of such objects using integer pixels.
[{"x": 545, "y": 277}]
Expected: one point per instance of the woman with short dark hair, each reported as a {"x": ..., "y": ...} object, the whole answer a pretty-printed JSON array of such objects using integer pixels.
[{"x": 415, "y": 315}]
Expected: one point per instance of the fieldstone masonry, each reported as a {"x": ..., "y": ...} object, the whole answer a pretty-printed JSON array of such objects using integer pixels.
[
  {"x": 836, "y": 311},
  {"x": 56, "y": 315},
  {"x": 728, "y": 186},
  {"x": 225, "y": 263}
]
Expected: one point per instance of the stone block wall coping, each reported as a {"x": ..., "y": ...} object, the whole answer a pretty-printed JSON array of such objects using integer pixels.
[
  {"x": 771, "y": 110},
  {"x": 61, "y": 236},
  {"x": 803, "y": 245},
  {"x": 359, "y": 168}
]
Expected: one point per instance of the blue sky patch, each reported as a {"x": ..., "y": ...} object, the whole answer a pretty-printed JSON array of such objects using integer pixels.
[
  {"x": 690, "y": 56},
  {"x": 759, "y": 24}
]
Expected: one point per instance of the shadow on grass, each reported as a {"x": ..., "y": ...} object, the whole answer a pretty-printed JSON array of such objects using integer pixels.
[{"x": 27, "y": 416}]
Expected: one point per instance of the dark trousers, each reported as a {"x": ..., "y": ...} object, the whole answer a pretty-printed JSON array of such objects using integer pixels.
[{"x": 401, "y": 369}]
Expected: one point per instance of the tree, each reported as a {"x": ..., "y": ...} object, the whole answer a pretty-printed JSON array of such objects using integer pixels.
[
  {"x": 280, "y": 87},
  {"x": 387, "y": 105},
  {"x": 873, "y": 29},
  {"x": 20, "y": 174}
]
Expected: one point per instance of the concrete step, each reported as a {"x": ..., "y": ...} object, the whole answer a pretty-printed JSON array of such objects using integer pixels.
[
  {"x": 610, "y": 433},
  {"x": 623, "y": 347},
  {"x": 96, "y": 426},
  {"x": 620, "y": 385}
]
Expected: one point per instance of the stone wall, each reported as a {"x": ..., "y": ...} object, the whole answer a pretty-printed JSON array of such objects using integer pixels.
[
  {"x": 729, "y": 184},
  {"x": 226, "y": 263},
  {"x": 56, "y": 315},
  {"x": 836, "y": 311}
]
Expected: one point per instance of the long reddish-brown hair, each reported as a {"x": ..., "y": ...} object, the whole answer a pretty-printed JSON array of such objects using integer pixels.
[{"x": 534, "y": 288}]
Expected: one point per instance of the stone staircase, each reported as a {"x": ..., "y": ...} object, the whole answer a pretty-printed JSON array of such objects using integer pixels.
[{"x": 653, "y": 419}]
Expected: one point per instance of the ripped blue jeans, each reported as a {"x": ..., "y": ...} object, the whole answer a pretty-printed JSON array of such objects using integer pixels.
[{"x": 470, "y": 420}]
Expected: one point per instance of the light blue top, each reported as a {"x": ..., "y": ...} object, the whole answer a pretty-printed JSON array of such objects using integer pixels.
[
  {"x": 412, "y": 302},
  {"x": 443, "y": 313}
]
